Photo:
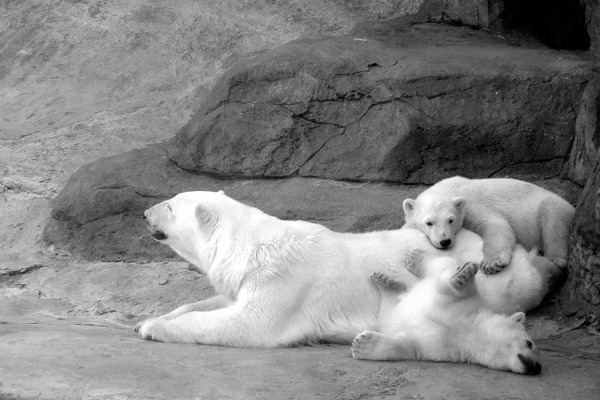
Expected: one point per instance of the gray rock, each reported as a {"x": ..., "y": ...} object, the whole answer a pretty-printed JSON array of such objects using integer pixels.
[
  {"x": 434, "y": 103},
  {"x": 587, "y": 134},
  {"x": 582, "y": 287},
  {"x": 592, "y": 16}
]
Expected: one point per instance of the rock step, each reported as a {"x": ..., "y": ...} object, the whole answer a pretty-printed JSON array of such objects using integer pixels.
[{"x": 98, "y": 215}]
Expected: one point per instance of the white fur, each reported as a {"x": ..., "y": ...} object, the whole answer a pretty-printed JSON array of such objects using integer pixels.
[
  {"x": 502, "y": 211},
  {"x": 520, "y": 287},
  {"x": 280, "y": 283},
  {"x": 437, "y": 320}
]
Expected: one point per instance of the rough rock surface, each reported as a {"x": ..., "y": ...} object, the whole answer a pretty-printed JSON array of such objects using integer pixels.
[
  {"x": 582, "y": 290},
  {"x": 355, "y": 108},
  {"x": 587, "y": 134},
  {"x": 406, "y": 110},
  {"x": 592, "y": 19}
]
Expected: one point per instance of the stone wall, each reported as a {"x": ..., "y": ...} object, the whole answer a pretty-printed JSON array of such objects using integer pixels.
[
  {"x": 582, "y": 290},
  {"x": 592, "y": 19}
]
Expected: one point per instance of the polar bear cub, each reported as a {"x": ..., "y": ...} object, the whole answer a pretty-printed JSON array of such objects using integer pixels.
[
  {"x": 503, "y": 211},
  {"x": 442, "y": 318}
]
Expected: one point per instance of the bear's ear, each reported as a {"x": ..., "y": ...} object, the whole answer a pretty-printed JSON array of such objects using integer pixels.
[
  {"x": 409, "y": 206},
  {"x": 221, "y": 192},
  {"x": 459, "y": 203},
  {"x": 207, "y": 220},
  {"x": 518, "y": 317}
]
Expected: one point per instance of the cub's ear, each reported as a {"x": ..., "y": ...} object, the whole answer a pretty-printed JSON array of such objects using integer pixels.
[
  {"x": 518, "y": 317},
  {"x": 207, "y": 220},
  {"x": 409, "y": 206},
  {"x": 459, "y": 203}
]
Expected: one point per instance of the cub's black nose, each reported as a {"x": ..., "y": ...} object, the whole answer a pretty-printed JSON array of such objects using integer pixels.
[{"x": 445, "y": 243}]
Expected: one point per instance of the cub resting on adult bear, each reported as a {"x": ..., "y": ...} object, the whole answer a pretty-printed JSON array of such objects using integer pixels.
[
  {"x": 502, "y": 211},
  {"x": 282, "y": 283},
  {"x": 442, "y": 318}
]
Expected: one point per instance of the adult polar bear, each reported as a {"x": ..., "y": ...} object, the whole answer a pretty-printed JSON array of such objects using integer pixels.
[
  {"x": 283, "y": 283},
  {"x": 503, "y": 211}
]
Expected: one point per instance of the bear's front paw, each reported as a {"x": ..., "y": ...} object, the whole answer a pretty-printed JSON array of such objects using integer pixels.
[
  {"x": 151, "y": 329},
  {"x": 363, "y": 345},
  {"x": 494, "y": 263}
]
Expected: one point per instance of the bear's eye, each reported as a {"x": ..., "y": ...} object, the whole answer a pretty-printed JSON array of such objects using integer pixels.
[
  {"x": 529, "y": 344},
  {"x": 428, "y": 223},
  {"x": 450, "y": 220}
]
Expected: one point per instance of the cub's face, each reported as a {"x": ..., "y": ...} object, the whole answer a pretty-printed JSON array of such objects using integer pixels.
[
  {"x": 186, "y": 223},
  {"x": 515, "y": 349},
  {"x": 438, "y": 218}
]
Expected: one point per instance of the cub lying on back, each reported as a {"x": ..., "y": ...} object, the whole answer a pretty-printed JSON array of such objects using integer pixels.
[
  {"x": 520, "y": 287},
  {"x": 442, "y": 318},
  {"x": 502, "y": 211}
]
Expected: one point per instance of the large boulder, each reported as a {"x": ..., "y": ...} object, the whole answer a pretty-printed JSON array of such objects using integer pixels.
[{"x": 430, "y": 103}]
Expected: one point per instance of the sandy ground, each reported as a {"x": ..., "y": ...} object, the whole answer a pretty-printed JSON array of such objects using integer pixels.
[{"x": 72, "y": 91}]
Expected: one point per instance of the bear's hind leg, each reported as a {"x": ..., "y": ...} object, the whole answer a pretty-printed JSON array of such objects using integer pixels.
[
  {"x": 389, "y": 289},
  {"x": 370, "y": 345}
]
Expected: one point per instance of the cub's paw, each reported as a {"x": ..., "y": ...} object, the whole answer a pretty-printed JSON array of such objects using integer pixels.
[
  {"x": 381, "y": 279},
  {"x": 384, "y": 281},
  {"x": 495, "y": 262},
  {"x": 414, "y": 261},
  {"x": 151, "y": 329},
  {"x": 364, "y": 345},
  {"x": 464, "y": 274},
  {"x": 559, "y": 261}
]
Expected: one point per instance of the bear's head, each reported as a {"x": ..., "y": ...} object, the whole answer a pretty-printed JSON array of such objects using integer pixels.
[
  {"x": 192, "y": 223},
  {"x": 510, "y": 347},
  {"x": 439, "y": 218}
]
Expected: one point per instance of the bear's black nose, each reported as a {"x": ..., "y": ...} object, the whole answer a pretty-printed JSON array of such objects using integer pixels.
[
  {"x": 445, "y": 243},
  {"x": 532, "y": 367}
]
